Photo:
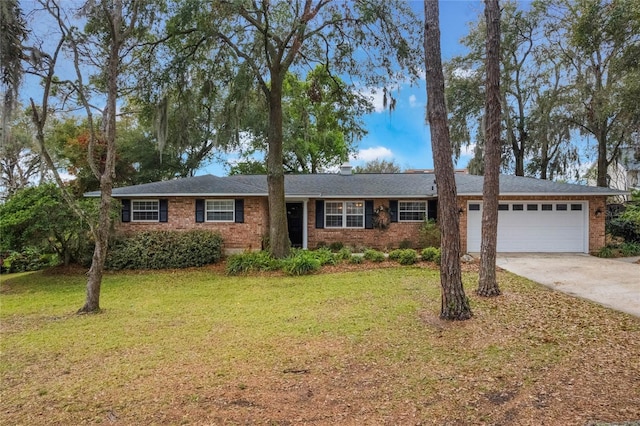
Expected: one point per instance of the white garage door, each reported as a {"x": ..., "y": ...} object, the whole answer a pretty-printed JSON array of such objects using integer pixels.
[{"x": 529, "y": 226}]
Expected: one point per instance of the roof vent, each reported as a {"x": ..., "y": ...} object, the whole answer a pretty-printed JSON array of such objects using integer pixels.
[{"x": 345, "y": 169}]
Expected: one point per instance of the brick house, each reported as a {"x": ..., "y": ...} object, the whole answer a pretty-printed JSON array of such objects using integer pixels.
[{"x": 369, "y": 210}]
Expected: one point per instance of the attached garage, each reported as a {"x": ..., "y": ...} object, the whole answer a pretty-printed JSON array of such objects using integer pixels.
[{"x": 534, "y": 226}]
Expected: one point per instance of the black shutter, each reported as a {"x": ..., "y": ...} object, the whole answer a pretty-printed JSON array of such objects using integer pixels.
[
  {"x": 126, "y": 210},
  {"x": 432, "y": 209},
  {"x": 239, "y": 210},
  {"x": 199, "y": 210},
  {"x": 164, "y": 210},
  {"x": 393, "y": 210},
  {"x": 319, "y": 214},
  {"x": 368, "y": 214}
]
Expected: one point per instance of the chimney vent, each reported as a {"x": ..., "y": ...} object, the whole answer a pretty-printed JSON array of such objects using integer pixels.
[{"x": 345, "y": 169}]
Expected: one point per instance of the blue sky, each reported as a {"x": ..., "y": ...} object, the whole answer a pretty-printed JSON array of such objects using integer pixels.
[{"x": 403, "y": 136}]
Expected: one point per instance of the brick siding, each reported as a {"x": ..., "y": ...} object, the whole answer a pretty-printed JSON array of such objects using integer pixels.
[
  {"x": 249, "y": 235},
  {"x": 236, "y": 236}
]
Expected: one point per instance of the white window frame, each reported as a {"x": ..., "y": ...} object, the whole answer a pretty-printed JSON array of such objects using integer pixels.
[
  {"x": 405, "y": 202},
  {"x": 208, "y": 210},
  {"x": 135, "y": 210},
  {"x": 343, "y": 214}
]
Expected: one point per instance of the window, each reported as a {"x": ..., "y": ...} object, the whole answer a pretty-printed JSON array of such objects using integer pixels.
[
  {"x": 145, "y": 210},
  {"x": 561, "y": 207},
  {"x": 220, "y": 210},
  {"x": 474, "y": 207},
  {"x": 518, "y": 207},
  {"x": 547, "y": 207},
  {"x": 412, "y": 211},
  {"x": 532, "y": 207},
  {"x": 576, "y": 207},
  {"x": 503, "y": 207},
  {"x": 344, "y": 214}
]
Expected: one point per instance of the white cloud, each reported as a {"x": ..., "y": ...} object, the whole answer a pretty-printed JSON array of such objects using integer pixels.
[
  {"x": 373, "y": 153},
  {"x": 413, "y": 101},
  {"x": 467, "y": 150}
]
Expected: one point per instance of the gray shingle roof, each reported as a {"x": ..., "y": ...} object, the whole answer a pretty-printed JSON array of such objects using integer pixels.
[{"x": 400, "y": 185}]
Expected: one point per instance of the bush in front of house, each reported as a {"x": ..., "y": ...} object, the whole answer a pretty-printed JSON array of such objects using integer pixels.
[
  {"x": 404, "y": 256},
  {"x": 29, "y": 259},
  {"x": 253, "y": 261},
  {"x": 302, "y": 262},
  {"x": 431, "y": 254},
  {"x": 164, "y": 250},
  {"x": 627, "y": 224},
  {"x": 429, "y": 234},
  {"x": 344, "y": 254},
  {"x": 373, "y": 255}
]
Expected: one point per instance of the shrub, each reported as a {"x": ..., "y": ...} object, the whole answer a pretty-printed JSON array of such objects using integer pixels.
[
  {"x": 627, "y": 224},
  {"x": 431, "y": 254},
  {"x": 606, "y": 252},
  {"x": 630, "y": 249},
  {"x": 336, "y": 246},
  {"x": 404, "y": 256},
  {"x": 302, "y": 262},
  {"x": 429, "y": 234},
  {"x": 373, "y": 255},
  {"x": 28, "y": 259},
  {"x": 343, "y": 254},
  {"x": 324, "y": 256},
  {"x": 165, "y": 249},
  {"x": 356, "y": 259},
  {"x": 251, "y": 262}
]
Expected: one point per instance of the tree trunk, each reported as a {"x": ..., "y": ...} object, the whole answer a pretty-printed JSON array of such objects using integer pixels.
[
  {"x": 278, "y": 232},
  {"x": 455, "y": 304},
  {"x": 602, "y": 159},
  {"x": 487, "y": 283},
  {"x": 101, "y": 234}
]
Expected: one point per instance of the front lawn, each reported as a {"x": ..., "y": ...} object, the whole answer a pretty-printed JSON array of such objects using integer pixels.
[{"x": 362, "y": 347}]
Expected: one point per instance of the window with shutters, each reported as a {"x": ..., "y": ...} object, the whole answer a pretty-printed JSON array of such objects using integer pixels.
[
  {"x": 344, "y": 214},
  {"x": 145, "y": 210},
  {"x": 412, "y": 211},
  {"x": 220, "y": 210}
]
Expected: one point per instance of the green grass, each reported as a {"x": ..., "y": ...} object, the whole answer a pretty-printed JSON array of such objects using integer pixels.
[{"x": 174, "y": 342}]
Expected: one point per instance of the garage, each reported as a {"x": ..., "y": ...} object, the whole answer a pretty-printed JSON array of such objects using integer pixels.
[{"x": 530, "y": 226}]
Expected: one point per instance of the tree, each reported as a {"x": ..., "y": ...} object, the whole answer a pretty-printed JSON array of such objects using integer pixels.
[
  {"x": 487, "y": 282},
  {"x": 534, "y": 137},
  {"x": 321, "y": 123},
  {"x": 104, "y": 47},
  {"x": 13, "y": 32},
  {"x": 455, "y": 305},
  {"x": 39, "y": 217},
  {"x": 599, "y": 41},
  {"x": 20, "y": 161},
  {"x": 378, "y": 166},
  {"x": 270, "y": 39}
]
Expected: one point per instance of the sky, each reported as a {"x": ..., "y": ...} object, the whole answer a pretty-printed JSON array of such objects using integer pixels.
[{"x": 403, "y": 136}]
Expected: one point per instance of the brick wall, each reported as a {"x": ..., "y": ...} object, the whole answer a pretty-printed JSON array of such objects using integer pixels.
[
  {"x": 249, "y": 235},
  {"x": 236, "y": 236},
  {"x": 596, "y": 222},
  {"x": 381, "y": 239}
]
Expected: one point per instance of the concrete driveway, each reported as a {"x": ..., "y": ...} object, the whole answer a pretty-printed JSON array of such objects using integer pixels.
[{"x": 609, "y": 282}]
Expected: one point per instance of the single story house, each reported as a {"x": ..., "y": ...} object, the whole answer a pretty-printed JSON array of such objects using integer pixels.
[{"x": 369, "y": 210}]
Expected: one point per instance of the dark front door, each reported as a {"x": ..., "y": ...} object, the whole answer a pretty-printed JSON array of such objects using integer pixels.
[{"x": 295, "y": 223}]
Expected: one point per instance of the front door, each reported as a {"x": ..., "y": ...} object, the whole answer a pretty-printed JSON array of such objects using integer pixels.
[{"x": 295, "y": 223}]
